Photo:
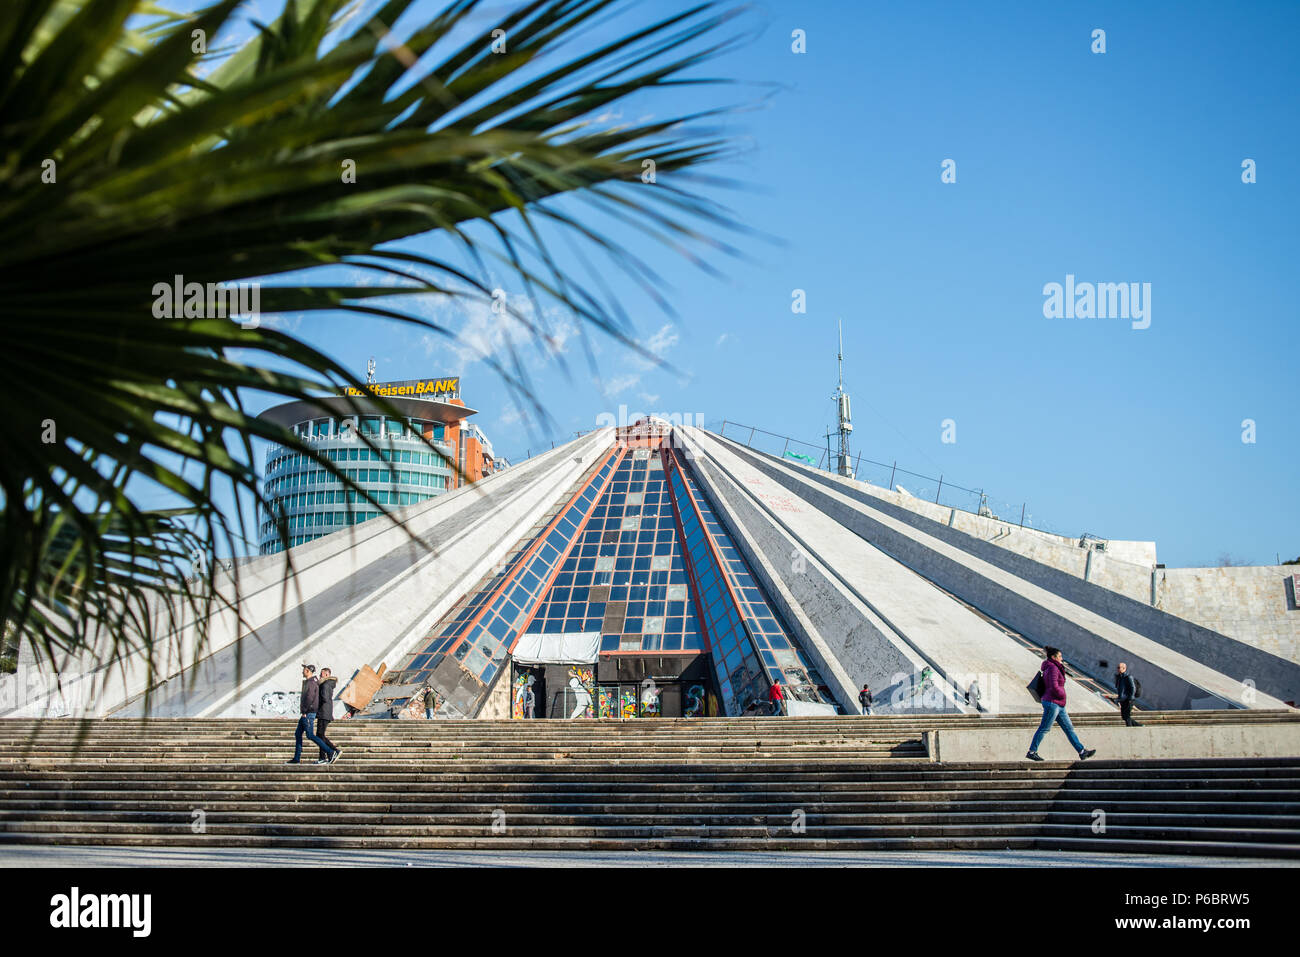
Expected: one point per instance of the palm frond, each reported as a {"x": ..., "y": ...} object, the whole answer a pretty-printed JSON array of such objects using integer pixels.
[{"x": 127, "y": 158}]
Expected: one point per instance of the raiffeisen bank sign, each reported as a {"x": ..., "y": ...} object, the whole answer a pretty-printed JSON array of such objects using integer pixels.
[{"x": 413, "y": 388}]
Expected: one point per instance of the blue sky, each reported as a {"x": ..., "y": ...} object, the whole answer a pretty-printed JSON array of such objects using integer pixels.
[{"x": 1123, "y": 166}]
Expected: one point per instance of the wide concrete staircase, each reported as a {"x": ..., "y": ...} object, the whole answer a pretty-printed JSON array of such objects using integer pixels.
[{"x": 711, "y": 784}]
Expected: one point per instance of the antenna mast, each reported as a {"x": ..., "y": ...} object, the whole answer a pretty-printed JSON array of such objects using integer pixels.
[{"x": 843, "y": 413}]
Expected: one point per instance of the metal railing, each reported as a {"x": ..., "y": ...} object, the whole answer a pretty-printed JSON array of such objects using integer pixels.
[{"x": 939, "y": 490}]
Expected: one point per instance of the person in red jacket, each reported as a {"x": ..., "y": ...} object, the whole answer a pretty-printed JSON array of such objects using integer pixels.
[
  {"x": 1053, "y": 671},
  {"x": 777, "y": 697}
]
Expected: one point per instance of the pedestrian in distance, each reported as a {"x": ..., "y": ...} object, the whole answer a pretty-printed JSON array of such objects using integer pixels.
[
  {"x": 1126, "y": 690},
  {"x": 324, "y": 715},
  {"x": 864, "y": 698},
  {"x": 973, "y": 694},
  {"x": 1052, "y": 688},
  {"x": 777, "y": 696},
  {"x": 308, "y": 705},
  {"x": 430, "y": 702}
]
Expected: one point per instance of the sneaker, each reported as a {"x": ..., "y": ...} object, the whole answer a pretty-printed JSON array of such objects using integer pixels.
[
  {"x": 1034, "y": 756},
  {"x": 1136, "y": 724},
  {"x": 335, "y": 756},
  {"x": 1085, "y": 755},
  {"x": 293, "y": 761},
  {"x": 322, "y": 760}
]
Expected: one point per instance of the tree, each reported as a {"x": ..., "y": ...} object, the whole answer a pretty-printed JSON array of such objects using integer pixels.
[{"x": 135, "y": 150}]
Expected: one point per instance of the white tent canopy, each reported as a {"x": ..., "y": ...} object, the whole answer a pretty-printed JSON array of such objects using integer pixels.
[{"x": 574, "y": 648}]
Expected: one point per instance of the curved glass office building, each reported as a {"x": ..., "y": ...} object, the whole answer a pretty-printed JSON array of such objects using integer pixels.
[{"x": 400, "y": 469}]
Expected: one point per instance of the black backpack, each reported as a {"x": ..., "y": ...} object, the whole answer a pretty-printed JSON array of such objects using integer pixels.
[{"x": 1137, "y": 688}]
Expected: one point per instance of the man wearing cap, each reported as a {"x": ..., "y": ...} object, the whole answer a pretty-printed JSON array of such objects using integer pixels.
[{"x": 307, "y": 708}]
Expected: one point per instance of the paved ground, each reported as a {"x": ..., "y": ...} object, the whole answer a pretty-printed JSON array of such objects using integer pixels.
[{"x": 299, "y": 857}]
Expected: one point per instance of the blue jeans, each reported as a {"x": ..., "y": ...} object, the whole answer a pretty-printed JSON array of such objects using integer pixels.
[
  {"x": 307, "y": 725},
  {"x": 1055, "y": 713},
  {"x": 428, "y": 714}
]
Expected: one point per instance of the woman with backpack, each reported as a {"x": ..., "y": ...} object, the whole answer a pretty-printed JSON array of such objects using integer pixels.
[{"x": 1051, "y": 685}]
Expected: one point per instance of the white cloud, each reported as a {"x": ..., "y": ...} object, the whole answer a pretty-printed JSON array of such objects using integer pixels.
[
  {"x": 479, "y": 332},
  {"x": 511, "y": 416},
  {"x": 648, "y": 398},
  {"x": 621, "y": 383},
  {"x": 658, "y": 344},
  {"x": 721, "y": 339},
  {"x": 663, "y": 340}
]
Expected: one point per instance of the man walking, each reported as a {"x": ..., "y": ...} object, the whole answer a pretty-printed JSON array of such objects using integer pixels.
[
  {"x": 308, "y": 705},
  {"x": 864, "y": 698},
  {"x": 324, "y": 715},
  {"x": 1126, "y": 688},
  {"x": 777, "y": 697},
  {"x": 1053, "y": 672}
]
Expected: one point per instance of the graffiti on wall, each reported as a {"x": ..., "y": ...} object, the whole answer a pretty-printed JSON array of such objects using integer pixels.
[
  {"x": 693, "y": 707},
  {"x": 582, "y": 681},
  {"x": 523, "y": 701},
  {"x": 608, "y": 702},
  {"x": 627, "y": 702},
  {"x": 649, "y": 699},
  {"x": 278, "y": 704}
]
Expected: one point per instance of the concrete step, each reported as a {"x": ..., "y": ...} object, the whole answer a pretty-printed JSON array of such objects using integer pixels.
[
  {"x": 402, "y": 833},
  {"x": 861, "y": 784},
  {"x": 20, "y": 809},
  {"x": 697, "y": 843},
  {"x": 346, "y": 818}
]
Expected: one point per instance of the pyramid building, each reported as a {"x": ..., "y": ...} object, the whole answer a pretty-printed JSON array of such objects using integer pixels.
[{"x": 660, "y": 570}]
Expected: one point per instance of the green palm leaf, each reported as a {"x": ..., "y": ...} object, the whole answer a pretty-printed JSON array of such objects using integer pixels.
[{"x": 128, "y": 158}]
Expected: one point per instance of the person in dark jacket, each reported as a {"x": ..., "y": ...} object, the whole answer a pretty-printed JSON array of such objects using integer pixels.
[
  {"x": 865, "y": 699},
  {"x": 1053, "y": 672},
  {"x": 325, "y": 715},
  {"x": 307, "y": 707},
  {"x": 430, "y": 703},
  {"x": 1126, "y": 689}
]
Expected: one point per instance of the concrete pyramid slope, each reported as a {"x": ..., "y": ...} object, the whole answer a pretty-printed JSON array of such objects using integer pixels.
[
  {"x": 903, "y": 622},
  {"x": 359, "y": 595},
  {"x": 1204, "y": 674},
  {"x": 633, "y": 557},
  {"x": 696, "y": 574}
]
